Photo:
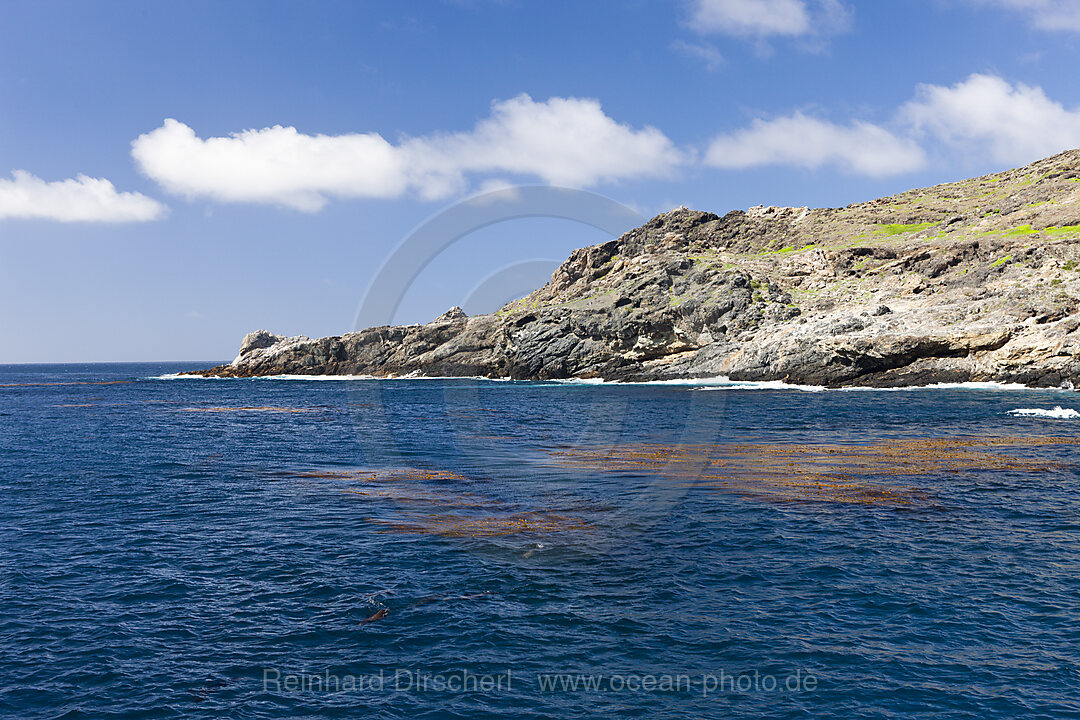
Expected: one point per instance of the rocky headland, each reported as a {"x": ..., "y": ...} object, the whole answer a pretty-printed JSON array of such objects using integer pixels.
[{"x": 969, "y": 281}]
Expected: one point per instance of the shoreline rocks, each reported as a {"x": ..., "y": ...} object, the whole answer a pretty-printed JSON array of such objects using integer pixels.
[{"x": 971, "y": 281}]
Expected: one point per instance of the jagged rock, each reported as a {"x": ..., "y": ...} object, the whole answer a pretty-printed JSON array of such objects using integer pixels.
[
  {"x": 981, "y": 280},
  {"x": 256, "y": 341},
  {"x": 453, "y": 314}
]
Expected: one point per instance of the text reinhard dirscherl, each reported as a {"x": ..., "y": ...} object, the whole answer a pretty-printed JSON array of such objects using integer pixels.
[{"x": 465, "y": 681}]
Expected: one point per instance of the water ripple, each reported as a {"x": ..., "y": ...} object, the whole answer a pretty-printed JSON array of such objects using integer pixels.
[{"x": 159, "y": 563}]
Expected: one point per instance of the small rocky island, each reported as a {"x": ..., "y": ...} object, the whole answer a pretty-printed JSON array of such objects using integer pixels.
[{"x": 968, "y": 281}]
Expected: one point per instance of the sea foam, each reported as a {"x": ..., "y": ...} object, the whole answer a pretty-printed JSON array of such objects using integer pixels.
[
  {"x": 1058, "y": 413},
  {"x": 720, "y": 382}
]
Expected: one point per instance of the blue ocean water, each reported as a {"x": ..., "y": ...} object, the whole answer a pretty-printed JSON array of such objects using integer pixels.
[{"x": 212, "y": 548}]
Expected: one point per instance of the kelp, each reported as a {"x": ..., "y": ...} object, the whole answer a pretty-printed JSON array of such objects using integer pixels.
[{"x": 877, "y": 472}]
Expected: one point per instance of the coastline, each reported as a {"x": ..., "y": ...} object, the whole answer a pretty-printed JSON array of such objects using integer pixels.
[
  {"x": 973, "y": 281},
  {"x": 705, "y": 384}
]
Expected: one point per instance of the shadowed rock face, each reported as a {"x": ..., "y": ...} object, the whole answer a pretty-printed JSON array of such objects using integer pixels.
[{"x": 969, "y": 281}]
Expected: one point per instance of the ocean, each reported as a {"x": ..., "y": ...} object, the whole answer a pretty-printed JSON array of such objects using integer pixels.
[{"x": 457, "y": 548}]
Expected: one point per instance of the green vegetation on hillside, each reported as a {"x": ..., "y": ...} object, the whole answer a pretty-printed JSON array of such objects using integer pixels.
[{"x": 891, "y": 229}]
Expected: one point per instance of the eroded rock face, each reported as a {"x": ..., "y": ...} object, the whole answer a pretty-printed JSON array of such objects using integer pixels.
[
  {"x": 976, "y": 280},
  {"x": 257, "y": 341}
]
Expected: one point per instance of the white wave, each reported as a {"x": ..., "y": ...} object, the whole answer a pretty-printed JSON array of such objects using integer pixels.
[
  {"x": 720, "y": 382},
  {"x": 723, "y": 383},
  {"x": 948, "y": 386},
  {"x": 178, "y": 376},
  {"x": 1058, "y": 413},
  {"x": 580, "y": 381},
  {"x": 318, "y": 378}
]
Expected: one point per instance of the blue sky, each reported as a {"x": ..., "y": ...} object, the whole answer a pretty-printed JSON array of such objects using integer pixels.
[{"x": 174, "y": 175}]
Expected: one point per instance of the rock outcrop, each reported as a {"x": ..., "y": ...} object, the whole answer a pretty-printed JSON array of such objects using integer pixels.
[{"x": 971, "y": 281}]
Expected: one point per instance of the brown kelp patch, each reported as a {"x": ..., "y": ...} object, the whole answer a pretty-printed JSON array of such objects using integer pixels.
[
  {"x": 265, "y": 408},
  {"x": 332, "y": 474},
  {"x": 434, "y": 502},
  {"x": 438, "y": 502},
  {"x": 456, "y": 525},
  {"x": 60, "y": 384},
  {"x": 371, "y": 475},
  {"x": 882, "y": 472},
  {"x": 413, "y": 495}
]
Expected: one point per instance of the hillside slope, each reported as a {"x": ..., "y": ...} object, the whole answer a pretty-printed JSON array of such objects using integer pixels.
[{"x": 967, "y": 281}]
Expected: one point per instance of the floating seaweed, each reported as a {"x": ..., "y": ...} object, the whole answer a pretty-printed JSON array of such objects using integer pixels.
[
  {"x": 832, "y": 472},
  {"x": 896, "y": 473},
  {"x": 58, "y": 384},
  {"x": 268, "y": 409},
  {"x": 456, "y": 525},
  {"x": 435, "y": 502}
]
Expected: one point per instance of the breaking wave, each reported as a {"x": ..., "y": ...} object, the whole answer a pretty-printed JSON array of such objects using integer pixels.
[
  {"x": 1058, "y": 413},
  {"x": 711, "y": 383}
]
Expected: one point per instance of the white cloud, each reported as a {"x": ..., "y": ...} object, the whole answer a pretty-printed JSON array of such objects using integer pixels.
[
  {"x": 82, "y": 199},
  {"x": 563, "y": 141},
  {"x": 275, "y": 164},
  {"x": 751, "y": 17},
  {"x": 803, "y": 141},
  {"x": 765, "y": 18},
  {"x": 707, "y": 54},
  {"x": 986, "y": 115},
  {"x": 982, "y": 118},
  {"x": 1047, "y": 14}
]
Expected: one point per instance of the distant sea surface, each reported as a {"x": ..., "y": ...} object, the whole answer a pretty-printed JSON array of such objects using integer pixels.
[{"x": 190, "y": 548}]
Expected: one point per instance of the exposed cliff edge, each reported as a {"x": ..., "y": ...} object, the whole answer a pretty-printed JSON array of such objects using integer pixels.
[{"x": 970, "y": 281}]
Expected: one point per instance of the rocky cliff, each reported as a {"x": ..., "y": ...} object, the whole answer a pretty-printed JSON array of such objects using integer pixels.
[{"x": 969, "y": 281}]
